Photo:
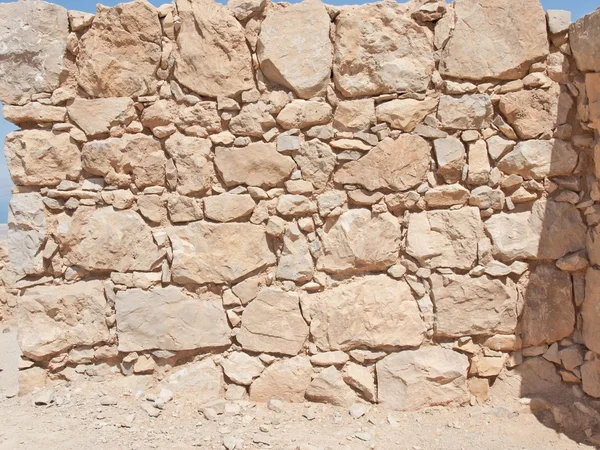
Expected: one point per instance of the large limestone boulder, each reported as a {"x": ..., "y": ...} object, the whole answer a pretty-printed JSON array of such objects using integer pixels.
[
  {"x": 445, "y": 238},
  {"x": 97, "y": 116},
  {"x": 41, "y": 158},
  {"x": 34, "y": 41},
  {"x": 205, "y": 252},
  {"x": 584, "y": 37},
  {"x": 359, "y": 241},
  {"x": 119, "y": 55},
  {"x": 379, "y": 49},
  {"x": 538, "y": 159},
  {"x": 273, "y": 323},
  {"x": 259, "y": 164},
  {"x": 549, "y": 310},
  {"x": 54, "y": 319},
  {"x": 316, "y": 160},
  {"x": 549, "y": 230},
  {"x": 195, "y": 170},
  {"x": 398, "y": 165},
  {"x": 294, "y": 49},
  {"x": 213, "y": 58},
  {"x": 285, "y": 380},
  {"x": 415, "y": 379},
  {"x": 590, "y": 310},
  {"x": 169, "y": 319},
  {"x": 491, "y": 307},
  {"x": 134, "y": 158},
  {"x": 103, "y": 239},
  {"x": 26, "y": 233},
  {"x": 480, "y": 46},
  {"x": 372, "y": 312}
]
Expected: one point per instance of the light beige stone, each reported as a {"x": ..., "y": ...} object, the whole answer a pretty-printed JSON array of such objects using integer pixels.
[
  {"x": 446, "y": 195},
  {"x": 304, "y": 114},
  {"x": 361, "y": 379},
  {"x": 98, "y": 116},
  {"x": 81, "y": 318},
  {"x": 584, "y": 35},
  {"x": 316, "y": 160},
  {"x": 354, "y": 115},
  {"x": 273, "y": 323},
  {"x": 479, "y": 164},
  {"x": 398, "y": 165},
  {"x": 27, "y": 227},
  {"x": 41, "y": 158},
  {"x": 242, "y": 368},
  {"x": 415, "y": 379},
  {"x": 372, "y": 312},
  {"x": 254, "y": 119},
  {"x": 119, "y": 55},
  {"x": 451, "y": 158},
  {"x": 468, "y": 112},
  {"x": 445, "y": 238},
  {"x": 169, "y": 319},
  {"x": 228, "y": 207},
  {"x": 590, "y": 377},
  {"x": 329, "y": 387},
  {"x": 204, "y": 252},
  {"x": 405, "y": 114},
  {"x": 285, "y": 380},
  {"x": 295, "y": 262},
  {"x": 195, "y": 171},
  {"x": 34, "y": 37},
  {"x": 258, "y": 164},
  {"x": 491, "y": 306},
  {"x": 294, "y": 49},
  {"x": 202, "y": 380},
  {"x": 104, "y": 239},
  {"x": 360, "y": 241},
  {"x": 210, "y": 33},
  {"x": 34, "y": 113},
  {"x": 379, "y": 50},
  {"x": 480, "y": 46},
  {"x": 244, "y": 9}
]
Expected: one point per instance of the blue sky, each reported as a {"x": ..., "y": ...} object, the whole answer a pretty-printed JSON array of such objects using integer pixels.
[{"x": 577, "y": 7}]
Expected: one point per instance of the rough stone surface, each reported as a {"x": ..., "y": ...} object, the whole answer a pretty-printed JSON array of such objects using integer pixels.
[
  {"x": 195, "y": 172},
  {"x": 316, "y": 160},
  {"x": 329, "y": 387},
  {"x": 584, "y": 35},
  {"x": 374, "y": 312},
  {"x": 405, "y": 114},
  {"x": 480, "y": 47},
  {"x": 294, "y": 49},
  {"x": 398, "y": 165},
  {"x": 34, "y": 37},
  {"x": 82, "y": 320},
  {"x": 27, "y": 229},
  {"x": 590, "y": 310},
  {"x": 97, "y": 116},
  {"x": 354, "y": 115},
  {"x": 285, "y": 380},
  {"x": 273, "y": 323},
  {"x": 168, "y": 319},
  {"x": 209, "y": 32},
  {"x": 431, "y": 376},
  {"x": 228, "y": 207},
  {"x": 468, "y": 112},
  {"x": 304, "y": 114},
  {"x": 379, "y": 50},
  {"x": 204, "y": 252}
]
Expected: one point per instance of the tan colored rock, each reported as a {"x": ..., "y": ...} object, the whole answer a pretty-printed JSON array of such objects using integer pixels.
[
  {"x": 468, "y": 112},
  {"x": 592, "y": 86},
  {"x": 415, "y": 379},
  {"x": 273, "y": 323},
  {"x": 304, "y": 114},
  {"x": 134, "y": 158},
  {"x": 491, "y": 307},
  {"x": 405, "y": 114},
  {"x": 451, "y": 158},
  {"x": 446, "y": 195},
  {"x": 536, "y": 112},
  {"x": 228, "y": 207},
  {"x": 316, "y": 160},
  {"x": 372, "y": 312},
  {"x": 184, "y": 209},
  {"x": 295, "y": 262},
  {"x": 242, "y": 368},
  {"x": 361, "y": 379},
  {"x": 195, "y": 171},
  {"x": 503, "y": 343},
  {"x": 549, "y": 231},
  {"x": 98, "y": 116},
  {"x": 539, "y": 159},
  {"x": 209, "y": 32},
  {"x": 398, "y": 165},
  {"x": 169, "y": 319},
  {"x": 34, "y": 37},
  {"x": 590, "y": 377},
  {"x": 294, "y": 49},
  {"x": 27, "y": 229},
  {"x": 104, "y": 239},
  {"x": 487, "y": 366},
  {"x": 584, "y": 35},
  {"x": 202, "y": 380},
  {"x": 480, "y": 46},
  {"x": 549, "y": 311},
  {"x": 590, "y": 310},
  {"x": 258, "y": 164},
  {"x": 354, "y": 115},
  {"x": 378, "y": 50},
  {"x": 329, "y": 387},
  {"x": 359, "y": 241},
  {"x": 295, "y": 205},
  {"x": 41, "y": 158},
  {"x": 218, "y": 253},
  {"x": 243, "y": 9},
  {"x": 254, "y": 119},
  {"x": 54, "y": 319},
  {"x": 336, "y": 358},
  {"x": 445, "y": 238},
  {"x": 34, "y": 113},
  {"x": 119, "y": 55},
  {"x": 285, "y": 380},
  {"x": 204, "y": 115},
  {"x": 479, "y": 164}
]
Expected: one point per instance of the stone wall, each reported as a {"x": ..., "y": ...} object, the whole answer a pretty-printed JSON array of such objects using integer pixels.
[{"x": 393, "y": 202}]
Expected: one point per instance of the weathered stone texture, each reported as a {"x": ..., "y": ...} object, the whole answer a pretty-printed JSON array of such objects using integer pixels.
[
  {"x": 27, "y": 227},
  {"x": 584, "y": 37}
]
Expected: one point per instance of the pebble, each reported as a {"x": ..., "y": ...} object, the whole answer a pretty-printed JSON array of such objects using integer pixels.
[
  {"x": 275, "y": 405},
  {"x": 151, "y": 410},
  {"x": 108, "y": 401},
  {"x": 44, "y": 398},
  {"x": 358, "y": 410}
]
